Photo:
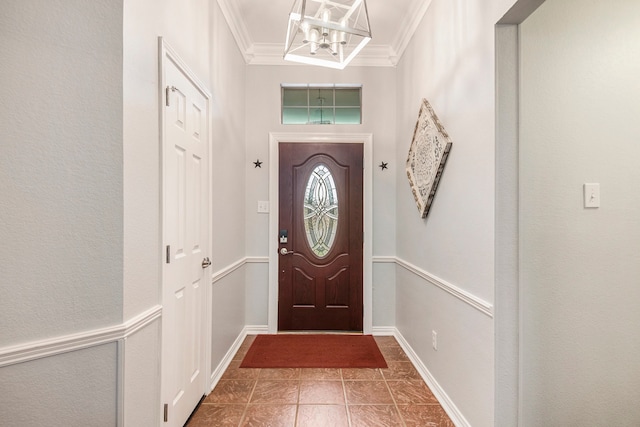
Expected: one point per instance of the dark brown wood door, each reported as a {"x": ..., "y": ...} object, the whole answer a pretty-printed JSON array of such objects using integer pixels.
[{"x": 321, "y": 237}]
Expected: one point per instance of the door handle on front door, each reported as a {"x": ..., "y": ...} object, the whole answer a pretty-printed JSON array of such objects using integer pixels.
[
  {"x": 284, "y": 251},
  {"x": 206, "y": 262}
]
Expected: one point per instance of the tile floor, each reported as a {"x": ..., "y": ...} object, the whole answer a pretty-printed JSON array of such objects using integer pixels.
[{"x": 396, "y": 396}]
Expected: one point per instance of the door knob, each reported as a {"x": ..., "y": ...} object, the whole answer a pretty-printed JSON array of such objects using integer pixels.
[
  {"x": 206, "y": 262},
  {"x": 284, "y": 251}
]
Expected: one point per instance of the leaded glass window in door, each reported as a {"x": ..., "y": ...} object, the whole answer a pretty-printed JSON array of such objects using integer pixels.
[{"x": 320, "y": 211}]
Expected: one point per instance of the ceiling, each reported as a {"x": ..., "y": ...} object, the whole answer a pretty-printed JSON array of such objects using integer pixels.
[{"x": 260, "y": 26}]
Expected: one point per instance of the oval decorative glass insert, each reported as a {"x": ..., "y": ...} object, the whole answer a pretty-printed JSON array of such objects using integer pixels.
[{"x": 321, "y": 211}]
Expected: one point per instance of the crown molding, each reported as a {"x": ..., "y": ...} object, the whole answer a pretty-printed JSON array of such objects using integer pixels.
[
  {"x": 233, "y": 16},
  {"x": 413, "y": 17},
  {"x": 371, "y": 55}
]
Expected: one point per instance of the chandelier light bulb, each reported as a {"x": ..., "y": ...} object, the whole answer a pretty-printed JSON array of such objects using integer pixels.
[
  {"x": 314, "y": 36},
  {"x": 343, "y": 35},
  {"x": 305, "y": 27},
  {"x": 326, "y": 17},
  {"x": 334, "y": 42}
]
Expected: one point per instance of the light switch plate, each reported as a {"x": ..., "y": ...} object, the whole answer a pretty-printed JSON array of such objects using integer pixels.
[
  {"x": 591, "y": 195},
  {"x": 263, "y": 207}
]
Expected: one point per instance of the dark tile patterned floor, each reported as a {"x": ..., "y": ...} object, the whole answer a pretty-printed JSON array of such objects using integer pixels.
[{"x": 396, "y": 396}]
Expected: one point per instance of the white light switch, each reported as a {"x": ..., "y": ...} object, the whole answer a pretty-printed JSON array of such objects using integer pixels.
[
  {"x": 263, "y": 207},
  {"x": 592, "y": 195}
]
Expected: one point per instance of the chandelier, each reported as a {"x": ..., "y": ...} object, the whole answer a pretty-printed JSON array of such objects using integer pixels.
[{"x": 329, "y": 33}]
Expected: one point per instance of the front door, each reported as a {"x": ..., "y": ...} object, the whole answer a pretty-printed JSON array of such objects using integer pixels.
[
  {"x": 186, "y": 244},
  {"x": 320, "y": 237}
]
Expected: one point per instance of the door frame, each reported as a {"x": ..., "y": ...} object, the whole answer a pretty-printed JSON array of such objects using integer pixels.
[
  {"x": 167, "y": 54},
  {"x": 508, "y": 406},
  {"x": 366, "y": 139}
]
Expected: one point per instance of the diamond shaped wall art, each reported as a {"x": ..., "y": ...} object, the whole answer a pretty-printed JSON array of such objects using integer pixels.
[{"x": 428, "y": 154}]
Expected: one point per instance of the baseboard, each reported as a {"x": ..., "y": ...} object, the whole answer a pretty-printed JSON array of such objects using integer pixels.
[
  {"x": 226, "y": 360},
  {"x": 228, "y": 357},
  {"x": 256, "y": 329},
  {"x": 445, "y": 401},
  {"x": 384, "y": 331}
]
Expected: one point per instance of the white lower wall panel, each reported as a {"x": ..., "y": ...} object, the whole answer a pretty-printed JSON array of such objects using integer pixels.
[
  {"x": 228, "y": 313},
  {"x": 257, "y": 279},
  {"x": 69, "y": 389},
  {"x": 384, "y": 293},
  {"x": 142, "y": 376},
  {"x": 462, "y": 365}
]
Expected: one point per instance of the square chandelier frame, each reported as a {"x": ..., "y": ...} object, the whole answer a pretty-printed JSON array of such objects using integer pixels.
[{"x": 329, "y": 33}]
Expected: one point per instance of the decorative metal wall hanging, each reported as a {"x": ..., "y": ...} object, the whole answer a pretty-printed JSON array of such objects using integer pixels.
[{"x": 428, "y": 154}]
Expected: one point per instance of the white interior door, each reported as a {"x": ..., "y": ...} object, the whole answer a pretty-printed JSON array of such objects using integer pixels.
[{"x": 186, "y": 242}]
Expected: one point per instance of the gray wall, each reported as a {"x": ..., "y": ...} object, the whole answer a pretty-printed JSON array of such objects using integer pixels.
[
  {"x": 80, "y": 203},
  {"x": 228, "y": 82},
  {"x": 61, "y": 167},
  {"x": 450, "y": 62},
  {"x": 263, "y": 111},
  {"x": 61, "y": 206},
  {"x": 72, "y": 389},
  {"x": 580, "y": 268}
]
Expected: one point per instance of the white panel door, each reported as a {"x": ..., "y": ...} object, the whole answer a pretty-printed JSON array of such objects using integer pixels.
[{"x": 186, "y": 242}]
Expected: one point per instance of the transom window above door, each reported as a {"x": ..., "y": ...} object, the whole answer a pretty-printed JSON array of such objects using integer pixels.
[{"x": 321, "y": 104}]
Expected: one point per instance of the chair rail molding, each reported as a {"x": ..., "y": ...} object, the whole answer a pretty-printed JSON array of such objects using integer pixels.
[
  {"x": 66, "y": 343},
  {"x": 464, "y": 296}
]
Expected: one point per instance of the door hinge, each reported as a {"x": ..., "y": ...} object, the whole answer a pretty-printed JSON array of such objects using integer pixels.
[
  {"x": 166, "y": 412},
  {"x": 168, "y": 254},
  {"x": 166, "y": 93}
]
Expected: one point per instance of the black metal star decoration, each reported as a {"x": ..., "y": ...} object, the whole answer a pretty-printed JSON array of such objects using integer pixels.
[
  {"x": 383, "y": 165},
  {"x": 258, "y": 164}
]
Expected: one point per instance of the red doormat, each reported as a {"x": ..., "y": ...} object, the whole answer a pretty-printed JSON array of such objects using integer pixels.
[{"x": 314, "y": 351}]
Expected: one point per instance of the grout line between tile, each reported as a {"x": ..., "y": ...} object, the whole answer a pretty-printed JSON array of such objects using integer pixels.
[
  {"x": 295, "y": 419},
  {"x": 346, "y": 402},
  {"x": 395, "y": 403},
  {"x": 246, "y": 406},
  {"x": 343, "y": 381}
]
